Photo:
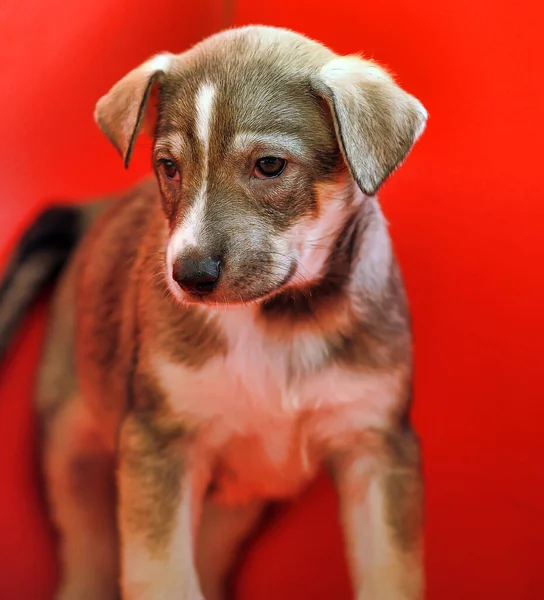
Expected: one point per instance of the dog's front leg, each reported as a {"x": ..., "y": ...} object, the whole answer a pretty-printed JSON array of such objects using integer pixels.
[
  {"x": 160, "y": 495},
  {"x": 380, "y": 493}
]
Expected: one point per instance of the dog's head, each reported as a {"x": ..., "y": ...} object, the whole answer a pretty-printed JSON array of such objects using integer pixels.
[{"x": 265, "y": 143}]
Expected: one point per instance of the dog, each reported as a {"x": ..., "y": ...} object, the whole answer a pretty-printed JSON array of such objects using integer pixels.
[{"x": 234, "y": 324}]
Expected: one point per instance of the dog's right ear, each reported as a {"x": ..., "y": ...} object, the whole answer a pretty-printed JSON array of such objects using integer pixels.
[{"x": 121, "y": 112}]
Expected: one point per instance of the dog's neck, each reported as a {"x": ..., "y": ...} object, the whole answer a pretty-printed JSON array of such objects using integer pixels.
[
  {"x": 358, "y": 266},
  {"x": 353, "y": 313}
]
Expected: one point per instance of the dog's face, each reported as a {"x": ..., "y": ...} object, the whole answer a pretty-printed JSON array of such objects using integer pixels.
[{"x": 264, "y": 144}]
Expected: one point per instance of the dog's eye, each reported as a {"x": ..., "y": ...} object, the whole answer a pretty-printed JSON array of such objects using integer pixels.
[
  {"x": 269, "y": 166},
  {"x": 169, "y": 168}
]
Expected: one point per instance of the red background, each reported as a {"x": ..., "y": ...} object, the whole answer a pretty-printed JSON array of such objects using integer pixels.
[{"x": 466, "y": 215}]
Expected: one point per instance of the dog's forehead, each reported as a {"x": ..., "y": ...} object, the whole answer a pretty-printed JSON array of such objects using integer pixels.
[{"x": 259, "y": 80}]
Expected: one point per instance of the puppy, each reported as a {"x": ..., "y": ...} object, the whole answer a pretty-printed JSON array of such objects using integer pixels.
[{"x": 234, "y": 324}]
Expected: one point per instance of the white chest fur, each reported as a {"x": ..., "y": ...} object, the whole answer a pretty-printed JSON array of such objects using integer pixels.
[{"x": 263, "y": 422}]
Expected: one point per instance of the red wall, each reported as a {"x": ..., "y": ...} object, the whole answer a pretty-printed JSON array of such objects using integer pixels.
[{"x": 466, "y": 215}]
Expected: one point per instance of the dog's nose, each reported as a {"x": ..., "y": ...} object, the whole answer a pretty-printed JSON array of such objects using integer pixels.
[{"x": 197, "y": 276}]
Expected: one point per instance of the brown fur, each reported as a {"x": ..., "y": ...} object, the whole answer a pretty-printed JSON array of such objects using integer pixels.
[
  {"x": 151, "y": 475},
  {"x": 404, "y": 489}
]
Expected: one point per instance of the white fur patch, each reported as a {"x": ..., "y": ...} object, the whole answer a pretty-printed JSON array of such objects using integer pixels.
[
  {"x": 376, "y": 253},
  {"x": 160, "y": 62},
  {"x": 375, "y": 74},
  {"x": 423, "y": 123},
  {"x": 254, "y": 409},
  {"x": 204, "y": 108},
  {"x": 351, "y": 70},
  {"x": 187, "y": 235},
  {"x": 294, "y": 145},
  {"x": 312, "y": 239}
]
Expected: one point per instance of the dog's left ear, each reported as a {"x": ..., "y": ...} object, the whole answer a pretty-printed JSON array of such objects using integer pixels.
[
  {"x": 121, "y": 113},
  {"x": 376, "y": 121}
]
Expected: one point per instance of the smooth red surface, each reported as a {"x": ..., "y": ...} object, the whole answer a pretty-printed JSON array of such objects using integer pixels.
[{"x": 466, "y": 213}]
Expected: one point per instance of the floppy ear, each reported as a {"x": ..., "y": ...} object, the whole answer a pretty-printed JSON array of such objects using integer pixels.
[
  {"x": 376, "y": 121},
  {"x": 121, "y": 112}
]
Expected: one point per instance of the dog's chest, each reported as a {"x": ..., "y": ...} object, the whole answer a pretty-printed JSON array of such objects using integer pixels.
[{"x": 263, "y": 407}]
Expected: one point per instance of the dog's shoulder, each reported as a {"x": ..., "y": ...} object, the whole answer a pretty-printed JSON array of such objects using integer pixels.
[{"x": 110, "y": 264}]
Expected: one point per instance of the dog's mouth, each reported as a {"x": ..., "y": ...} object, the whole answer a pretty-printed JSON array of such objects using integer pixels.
[{"x": 226, "y": 293}]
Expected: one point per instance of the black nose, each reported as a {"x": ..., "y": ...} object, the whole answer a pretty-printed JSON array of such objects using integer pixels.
[{"x": 197, "y": 276}]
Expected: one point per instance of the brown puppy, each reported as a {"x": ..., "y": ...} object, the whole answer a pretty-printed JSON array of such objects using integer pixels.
[{"x": 225, "y": 330}]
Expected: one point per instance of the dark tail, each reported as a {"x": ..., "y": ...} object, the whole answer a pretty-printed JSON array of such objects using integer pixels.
[{"x": 38, "y": 259}]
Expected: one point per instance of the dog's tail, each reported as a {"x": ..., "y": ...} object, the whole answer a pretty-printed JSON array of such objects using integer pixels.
[{"x": 37, "y": 261}]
